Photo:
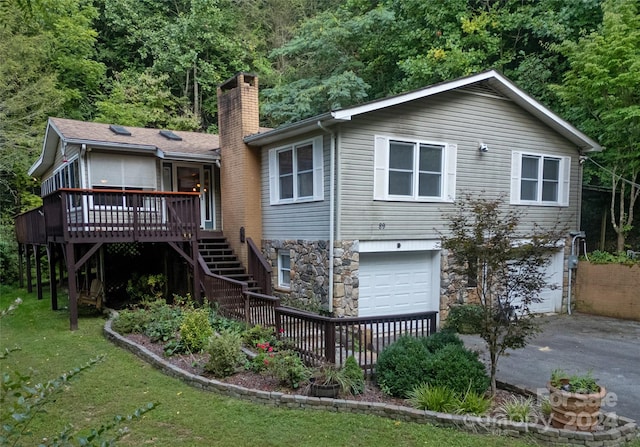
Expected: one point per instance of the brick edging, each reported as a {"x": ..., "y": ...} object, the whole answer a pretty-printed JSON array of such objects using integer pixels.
[{"x": 621, "y": 431}]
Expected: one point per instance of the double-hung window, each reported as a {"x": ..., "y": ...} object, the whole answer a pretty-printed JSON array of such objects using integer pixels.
[
  {"x": 410, "y": 170},
  {"x": 284, "y": 269},
  {"x": 539, "y": 179},
  {"x": 296, "y": 172}
]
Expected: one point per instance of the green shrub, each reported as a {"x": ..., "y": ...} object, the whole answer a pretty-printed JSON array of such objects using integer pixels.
[
  {"x": 355, "y": 375},
  {"x": 220, "y": 323},
  {"x": 159, "y": 321},
  {"x": 439, "y": 340},
  {"x": 603, "y": 257},
  {"x": 225, "y": 354},
  {"x": 264, "y": 354},
  {"x": 402, "y": 366},
  {"x": 465, "y": 319},
  {"x": 163, "y": 321},
  {"x": 288, "y": 368},
  {"x": 8, "y": 253},
  {"x": 457, "y": 368},
  {"x": 130, "y": 322},
  {"x": 432, "y": 398},
  {"x": 146, "y": 288},
  {"x": 195, "y": 329},
  {"x": 258, "y": 334}
]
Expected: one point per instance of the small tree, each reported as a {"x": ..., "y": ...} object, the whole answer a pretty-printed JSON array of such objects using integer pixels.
[{"x": 485, "y": 248}]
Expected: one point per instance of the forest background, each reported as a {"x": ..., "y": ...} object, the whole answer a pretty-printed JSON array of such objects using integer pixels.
[{"x": 157, "y": 63}]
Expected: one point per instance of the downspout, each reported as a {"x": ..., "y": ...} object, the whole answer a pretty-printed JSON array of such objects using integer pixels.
[
  {"x": 573, "y": 256},
  {"x": 332, "y": 178},
  {"x": 573, "y": 264}
]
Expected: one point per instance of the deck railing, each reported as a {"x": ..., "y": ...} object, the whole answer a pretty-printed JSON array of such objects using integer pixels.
[
  {"x": 85, "y": 215},
  {"x": 30, "y": 227},
  {"x": 328, "y": 339},
  {"x": 315, "y": 337},
  {"x": 258, "y": 267}
]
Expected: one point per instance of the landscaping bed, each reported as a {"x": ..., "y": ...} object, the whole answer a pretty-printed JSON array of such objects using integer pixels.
[
  {"x": 618, "y": 432},
  {"x": 194, "y": 364}
]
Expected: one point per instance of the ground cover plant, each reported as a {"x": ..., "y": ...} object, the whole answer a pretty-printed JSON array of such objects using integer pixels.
[{"x": 185, "y": 416}]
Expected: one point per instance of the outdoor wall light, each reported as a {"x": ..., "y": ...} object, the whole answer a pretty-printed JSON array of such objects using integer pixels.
[{"x": 483, "y": 147}]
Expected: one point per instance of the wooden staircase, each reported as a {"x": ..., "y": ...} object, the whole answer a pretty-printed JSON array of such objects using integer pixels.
[{"x": 222, "y": 261}]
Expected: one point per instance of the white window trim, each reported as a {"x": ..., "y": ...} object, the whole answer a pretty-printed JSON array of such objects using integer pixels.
[
  {"x": 282, "y": 270},
  {"x": 52, "y": 183},
  {"x": 563, "y": 180},
  {"x": 381, "y": 171},
  {"x": 318, "y": 174}
]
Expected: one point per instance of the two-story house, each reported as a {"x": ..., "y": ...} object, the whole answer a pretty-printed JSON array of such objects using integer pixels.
[
  {"x": 353, "y": 202},
  {"x": 348, "y": 207}
]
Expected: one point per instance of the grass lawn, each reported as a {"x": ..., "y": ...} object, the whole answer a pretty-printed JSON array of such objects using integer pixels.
[{"x": 185, "y": 416}]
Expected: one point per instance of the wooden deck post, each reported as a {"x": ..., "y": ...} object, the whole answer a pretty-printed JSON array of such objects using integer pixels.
[
  {"x": 28, "y": 267},
  {"x": 20, "y": 266},
  {"x": 73, "y": 292},
  {"x": 330, "y": 341},
  {"x": 53, "y": 282},
  {"x": 38, "y": 256}
]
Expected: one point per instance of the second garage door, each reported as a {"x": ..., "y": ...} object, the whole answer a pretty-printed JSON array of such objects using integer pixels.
[{"x": 394, "y": 283}]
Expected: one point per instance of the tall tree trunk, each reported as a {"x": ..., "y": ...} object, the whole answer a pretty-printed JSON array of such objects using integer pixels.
[
  {"x": 494, "y": 370},
  {"x": 618, "y": 220}
]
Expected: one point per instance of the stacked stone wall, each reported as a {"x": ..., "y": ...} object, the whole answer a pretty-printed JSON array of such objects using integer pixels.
[{"x": 309, "y": 287}]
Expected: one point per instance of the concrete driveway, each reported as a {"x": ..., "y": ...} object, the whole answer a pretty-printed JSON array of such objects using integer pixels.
[{"x": 578, "y": 343}]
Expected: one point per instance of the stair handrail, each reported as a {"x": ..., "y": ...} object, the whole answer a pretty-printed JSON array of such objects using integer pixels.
[{"x": 258, "y": 267}]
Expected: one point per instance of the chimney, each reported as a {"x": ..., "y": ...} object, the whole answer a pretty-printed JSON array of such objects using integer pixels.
[{"x": 238, "y": 117}]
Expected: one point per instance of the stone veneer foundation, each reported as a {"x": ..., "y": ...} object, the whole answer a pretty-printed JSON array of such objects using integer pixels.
[
  {"x": 618, "y": 430},
  {"x": 310, "y": 274}
]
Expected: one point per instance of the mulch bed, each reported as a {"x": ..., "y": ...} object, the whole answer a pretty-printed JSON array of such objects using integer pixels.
[{"x": 194, "y": 364}]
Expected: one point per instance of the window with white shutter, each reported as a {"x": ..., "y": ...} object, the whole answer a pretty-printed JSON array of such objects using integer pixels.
[
  {"x": 539, "y": 179},
  {"x": 411, "y": 170}
]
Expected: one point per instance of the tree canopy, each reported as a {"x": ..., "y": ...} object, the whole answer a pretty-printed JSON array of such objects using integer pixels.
[
  {"x": 157, "y": 64},
  {"x": 601, "y": 93}
]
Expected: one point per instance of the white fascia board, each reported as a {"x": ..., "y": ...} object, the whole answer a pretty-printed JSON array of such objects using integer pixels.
[
  {"x": 544, "y": 114},
  {"x": 179, "y": 156},
  {"x": 48, "y": 154},
  {"x": 113, "y": 146},
  {"x": 411, "y": 96},
  {"x": 290, "y": 130}
]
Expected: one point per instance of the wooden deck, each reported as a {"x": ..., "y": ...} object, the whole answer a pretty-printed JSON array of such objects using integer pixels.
[
  {"x": 74, "y": 223},
  {"x": 89, "y": 215}
]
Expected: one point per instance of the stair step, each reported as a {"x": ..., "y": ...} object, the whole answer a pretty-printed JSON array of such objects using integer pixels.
[
  {"x": 216, "y": 264},
  {"x": 229, "y": 272},
  {"x": 221, "y": 260}
]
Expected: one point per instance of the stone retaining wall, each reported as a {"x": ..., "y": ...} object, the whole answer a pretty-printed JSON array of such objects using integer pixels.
[{"x": 620, "y": 430}]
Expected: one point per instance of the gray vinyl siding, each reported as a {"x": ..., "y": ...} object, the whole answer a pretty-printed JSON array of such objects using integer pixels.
[
  {"x": 455, "y": 118},
  {"x": 70, "y": 152},
  {"x": 305, "y": 221}
]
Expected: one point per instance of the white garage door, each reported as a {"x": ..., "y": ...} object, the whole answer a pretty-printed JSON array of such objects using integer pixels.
[
  {"x": 397, "y": 283},
  {"x": 551, "y": 297}
]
